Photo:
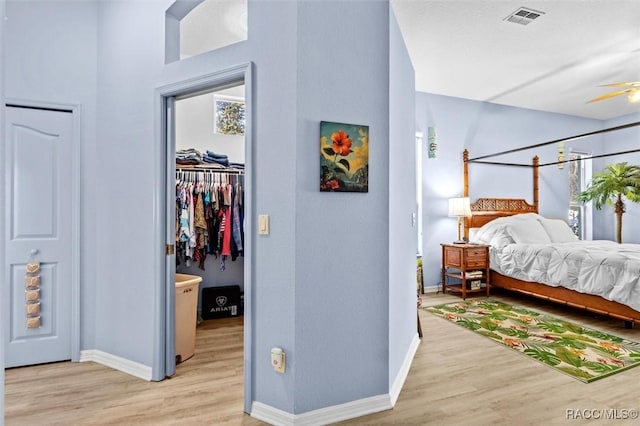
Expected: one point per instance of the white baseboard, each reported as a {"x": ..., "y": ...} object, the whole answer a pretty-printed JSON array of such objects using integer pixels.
[
  {"x": 401, "y": 377},
  {"x": 271, "y": 415},
  {"x": 117, "y": 363},
  {"x": 322, "y": 416},
  {"x": 336, "y": 413}
]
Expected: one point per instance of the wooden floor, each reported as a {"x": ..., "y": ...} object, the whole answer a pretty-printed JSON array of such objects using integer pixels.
[
  {"x": 457, "y": 378},
  {"x": 206, "y": 390}
]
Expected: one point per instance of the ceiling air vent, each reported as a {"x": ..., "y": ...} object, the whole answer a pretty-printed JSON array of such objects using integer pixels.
[{"x": 523, "y": 16}]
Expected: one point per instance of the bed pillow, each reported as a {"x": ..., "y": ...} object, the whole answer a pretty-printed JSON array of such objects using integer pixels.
[
  {"x": 493, "y": 233},
  {"x": 527, "y": 230},
  {"x": 558, "y": 230},
  {"x": 485, "y": 233}
]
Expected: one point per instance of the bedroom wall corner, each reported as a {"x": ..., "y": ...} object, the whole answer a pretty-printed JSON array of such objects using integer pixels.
[{"x": 403, "y": 227}]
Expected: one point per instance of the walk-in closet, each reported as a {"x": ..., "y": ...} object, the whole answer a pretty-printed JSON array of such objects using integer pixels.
[{"x": 209, "y": 220}]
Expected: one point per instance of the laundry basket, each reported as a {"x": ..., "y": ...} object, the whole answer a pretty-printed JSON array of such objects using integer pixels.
[{"x": 186, "y": 315}]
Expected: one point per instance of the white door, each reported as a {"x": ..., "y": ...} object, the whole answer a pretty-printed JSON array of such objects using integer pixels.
[
  {"x": 38, "y": 228},
  {"x": 170, "y": 232}
]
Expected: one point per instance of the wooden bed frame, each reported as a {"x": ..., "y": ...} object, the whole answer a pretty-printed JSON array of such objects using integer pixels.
[{"x": 484, "y": 210}]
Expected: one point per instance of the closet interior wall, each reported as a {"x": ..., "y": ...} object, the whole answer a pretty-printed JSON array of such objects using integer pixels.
[{"x": 195, "y": 123}]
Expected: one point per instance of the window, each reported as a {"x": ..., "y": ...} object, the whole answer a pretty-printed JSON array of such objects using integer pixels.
[
  {"x": 229, "y": 115},
  {"x": 193, "y": 27},
  {"x": 579, "y": 173}
]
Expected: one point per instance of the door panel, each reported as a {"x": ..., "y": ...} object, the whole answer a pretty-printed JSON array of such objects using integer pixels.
[
  {"x": 38, "y": 162},
  {"x": 34, "y": 192}
]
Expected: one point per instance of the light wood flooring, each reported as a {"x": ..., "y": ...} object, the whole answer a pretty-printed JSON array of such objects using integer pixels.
[{"x": 457, "y": 378}]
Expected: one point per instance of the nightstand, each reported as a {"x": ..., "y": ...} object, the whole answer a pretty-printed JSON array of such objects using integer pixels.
[{"x": 465, "y": 268}]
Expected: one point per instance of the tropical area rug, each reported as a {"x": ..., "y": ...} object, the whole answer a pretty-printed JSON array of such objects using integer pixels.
[{"x": 583, "y": 353}]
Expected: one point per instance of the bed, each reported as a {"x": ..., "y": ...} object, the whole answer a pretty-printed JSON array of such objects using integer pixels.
[{"x": 523, "y": 259}]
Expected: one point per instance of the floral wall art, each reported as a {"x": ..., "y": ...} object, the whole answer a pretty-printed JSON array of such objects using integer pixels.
[{"x": 344, "y": 157}]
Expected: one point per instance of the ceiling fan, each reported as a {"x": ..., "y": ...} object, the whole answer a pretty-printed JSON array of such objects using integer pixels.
[{"x": 632, "y": 89}]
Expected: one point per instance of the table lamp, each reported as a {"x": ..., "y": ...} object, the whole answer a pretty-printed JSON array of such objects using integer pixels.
[{"x": 459, "y": 207}]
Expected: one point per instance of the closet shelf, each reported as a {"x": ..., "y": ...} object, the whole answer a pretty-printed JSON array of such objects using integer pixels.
[{"x": 205, "y": 168}]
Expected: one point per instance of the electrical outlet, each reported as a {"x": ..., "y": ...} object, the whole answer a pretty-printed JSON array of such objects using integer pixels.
[
  {"x": 278, "y": 360},
  {"x": 280, "y": 368}
]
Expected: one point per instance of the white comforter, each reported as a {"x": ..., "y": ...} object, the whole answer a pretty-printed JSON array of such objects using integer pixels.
[{"x": 602, "y": 268}]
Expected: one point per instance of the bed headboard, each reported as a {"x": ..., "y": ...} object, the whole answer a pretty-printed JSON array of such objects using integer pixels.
[{"x": 484, "y": 210}]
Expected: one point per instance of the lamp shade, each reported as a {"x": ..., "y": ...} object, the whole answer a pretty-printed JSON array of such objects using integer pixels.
[{"x": 460, "y": 207}]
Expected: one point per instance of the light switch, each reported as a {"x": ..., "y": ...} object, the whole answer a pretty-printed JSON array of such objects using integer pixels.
[{"x": 263, "y": 224}]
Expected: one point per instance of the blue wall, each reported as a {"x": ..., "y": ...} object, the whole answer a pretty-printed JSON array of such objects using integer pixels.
[
  {"x": 486, "y": 128},
  {"x": 129, "y": 57},
  {"x": 402, "y": 203},
  {"x": 326, "y": 254},
  {"x": 60, "y": 38},
  {"x": 343, "y": 235}
]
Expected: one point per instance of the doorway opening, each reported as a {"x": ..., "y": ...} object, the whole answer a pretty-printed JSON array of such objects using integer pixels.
[
  {"x": 207, "y": 222},
  {"x": 209, "y": 254}
]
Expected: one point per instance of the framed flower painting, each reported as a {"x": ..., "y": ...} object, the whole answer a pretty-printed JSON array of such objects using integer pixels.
[{"x": 344, "y": 157}]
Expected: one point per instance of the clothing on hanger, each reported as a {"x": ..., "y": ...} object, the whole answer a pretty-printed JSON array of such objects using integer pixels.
[{"x": 209, "y": 216}]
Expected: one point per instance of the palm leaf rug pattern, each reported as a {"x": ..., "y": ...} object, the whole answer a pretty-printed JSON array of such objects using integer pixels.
[{"x": 583, "y": 353}]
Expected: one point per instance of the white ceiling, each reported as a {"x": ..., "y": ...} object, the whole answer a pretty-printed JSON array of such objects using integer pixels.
[{"x": 465, "y": 48}]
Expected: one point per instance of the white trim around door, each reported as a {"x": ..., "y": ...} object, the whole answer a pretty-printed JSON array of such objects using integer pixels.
[{"x": 164, "y": 312}]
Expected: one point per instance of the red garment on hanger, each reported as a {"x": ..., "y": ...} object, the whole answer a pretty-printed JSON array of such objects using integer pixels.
[{"x": 225, "y": 229}]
